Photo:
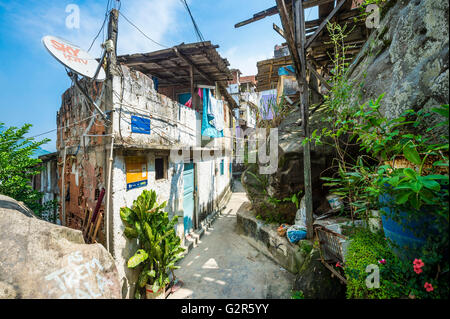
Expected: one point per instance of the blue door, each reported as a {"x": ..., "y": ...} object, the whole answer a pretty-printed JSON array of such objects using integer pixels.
[{"x": 188, "y": 196}]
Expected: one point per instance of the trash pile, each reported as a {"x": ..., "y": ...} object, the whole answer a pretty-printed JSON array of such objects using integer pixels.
[{"x": 297, "y": 232}]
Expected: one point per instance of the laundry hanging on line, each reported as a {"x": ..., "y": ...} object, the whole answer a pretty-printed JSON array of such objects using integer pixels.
[
  {"x": 211, "y": 115},
  {"x": 189, "y": 102}
]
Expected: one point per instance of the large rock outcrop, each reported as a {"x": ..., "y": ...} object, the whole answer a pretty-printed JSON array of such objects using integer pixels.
[
  {"x": 407, "y": 57},
  {"x": 316, "y": 281},
  {"x": 42, "y": 260},
  {"x": 289, "y": 178}
]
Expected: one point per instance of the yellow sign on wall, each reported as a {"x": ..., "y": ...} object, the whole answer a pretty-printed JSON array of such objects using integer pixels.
[{"x": 136, "y": 170}]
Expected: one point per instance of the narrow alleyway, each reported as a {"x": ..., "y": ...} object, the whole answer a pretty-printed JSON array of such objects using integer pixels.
[{"x": 225, "y": 265}]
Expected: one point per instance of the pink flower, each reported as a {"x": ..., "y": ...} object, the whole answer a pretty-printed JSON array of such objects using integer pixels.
[
  {"x": 338, "y": 264},
  {"x": 418, "y": 270},
  {"x": 382, "y": 261},
  {"x": 428, "y": 287},
  {"x": 418, "y": 263}
]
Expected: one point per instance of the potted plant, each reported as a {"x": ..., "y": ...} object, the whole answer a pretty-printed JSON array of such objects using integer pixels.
[
  {"x": 159, "y": 247},
  {"x": 412, "y": 183}
]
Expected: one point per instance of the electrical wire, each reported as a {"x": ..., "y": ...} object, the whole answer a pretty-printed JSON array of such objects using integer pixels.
[
  {"x": 102, "y": 27},
  {"x": 196, "y": 28},
  {"x": 142, "y": 32},
  {"x": 64, "y": 127}
]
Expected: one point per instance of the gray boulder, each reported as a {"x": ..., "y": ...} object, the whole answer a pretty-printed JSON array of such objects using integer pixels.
[
  {"x": 407, "y": 58},
  {"x": 42, "y": 260},
  {"x": 315, "y": 280}
]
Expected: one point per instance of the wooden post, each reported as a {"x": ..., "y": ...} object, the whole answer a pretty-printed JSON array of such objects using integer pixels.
[
  {"x": 300, "y": 41},
  {"x": 191, "y": 78}
]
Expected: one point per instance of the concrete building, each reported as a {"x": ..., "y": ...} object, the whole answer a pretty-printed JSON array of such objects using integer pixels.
[
  {"x": 133, "y": 149},
  {"x": 47, "y": 183}
]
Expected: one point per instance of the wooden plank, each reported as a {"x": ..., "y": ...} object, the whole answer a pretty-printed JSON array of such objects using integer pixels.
[
  {"x": 97, "y": 226},
  {"x": 322, "y": 80},
  {"x": 188, "y": 61},
  {"x": 278, "y": 30},
  {"x": 323, "y": 23},
  {"x": 274, "y": 10},
  {"x": 88, "y": 221}
]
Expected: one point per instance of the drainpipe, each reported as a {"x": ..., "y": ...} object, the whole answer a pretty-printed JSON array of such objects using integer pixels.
[
  {"x": 108, "y": 188},
  {"x": 63, "y": 189}
]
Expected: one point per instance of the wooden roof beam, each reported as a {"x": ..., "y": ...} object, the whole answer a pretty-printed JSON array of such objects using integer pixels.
[
  {"x": 189, "y": 62},
  {"x": 289, "y": 35},
  {"x": 274, "y": 10},
  {"x": 324, "y": 22}
]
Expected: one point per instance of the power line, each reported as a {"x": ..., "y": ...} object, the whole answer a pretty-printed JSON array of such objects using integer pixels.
[
  {"x": 142, "y": 32},
  {"x": 196, "y": 28},
  {"x": 102, "y": 27},
  {"x": 64, "y": 127}
]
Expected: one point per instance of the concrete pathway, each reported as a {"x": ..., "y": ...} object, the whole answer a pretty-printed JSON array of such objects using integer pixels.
[{"x": 224, "y": 265}]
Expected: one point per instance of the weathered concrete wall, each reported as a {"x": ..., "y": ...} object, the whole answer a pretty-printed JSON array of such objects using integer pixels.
[
  {"x": 47, "y": 183},
  {"x": 169, "y": 189},
  {"x": 172, "y": 126},
  {"x": 170, "y": 122}
]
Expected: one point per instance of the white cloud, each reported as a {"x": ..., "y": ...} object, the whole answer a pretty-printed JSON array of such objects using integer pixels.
[
  {"x": 154, "y": 17},
  {"x": 245, "y": 60}
]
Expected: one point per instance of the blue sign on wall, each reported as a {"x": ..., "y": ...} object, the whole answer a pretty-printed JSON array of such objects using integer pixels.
[{"x": 140, "y": 125}]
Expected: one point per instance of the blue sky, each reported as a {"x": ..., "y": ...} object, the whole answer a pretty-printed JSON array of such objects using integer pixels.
[{"x": 32, "y": 82}]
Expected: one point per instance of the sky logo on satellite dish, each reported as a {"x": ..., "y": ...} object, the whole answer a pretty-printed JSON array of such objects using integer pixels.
[
  {"x": 73, "y": 57},
  {"x": 69, "y": 52}
]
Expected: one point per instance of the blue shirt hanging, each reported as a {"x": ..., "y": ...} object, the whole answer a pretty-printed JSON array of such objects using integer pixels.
[{"x": 208, "y": 128}]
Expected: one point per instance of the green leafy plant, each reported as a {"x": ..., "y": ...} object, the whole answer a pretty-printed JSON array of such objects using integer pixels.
[
  {"x": 297, "y": 294},
  {"x": 17, "y": 167},
  {"x": 369, "y": 148},
  {"x": 424, "y": 277},
  {"x": 375, "y": 139},
  {"x": 159, "y": 246},
  {"x": 294, "y": 198},
  {"x": 367, "y": 248}
]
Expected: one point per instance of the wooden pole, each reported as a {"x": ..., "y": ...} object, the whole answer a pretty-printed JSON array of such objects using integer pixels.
[
  {"x": 300, "y": 41},
  {"x": 191, "y": 78}
]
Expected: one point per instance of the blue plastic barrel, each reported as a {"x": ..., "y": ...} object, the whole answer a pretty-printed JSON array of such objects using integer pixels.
[{"x": 407, "y": 244}]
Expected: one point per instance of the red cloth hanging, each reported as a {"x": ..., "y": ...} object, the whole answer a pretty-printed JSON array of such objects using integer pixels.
[{"x": 189, "y": 103}]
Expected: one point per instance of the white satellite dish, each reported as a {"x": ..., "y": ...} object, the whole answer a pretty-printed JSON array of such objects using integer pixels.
[{"x": 73, "y": 57}]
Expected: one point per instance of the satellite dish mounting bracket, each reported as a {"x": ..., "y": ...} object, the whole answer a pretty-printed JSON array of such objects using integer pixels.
[{"x": 74, "y": 77}]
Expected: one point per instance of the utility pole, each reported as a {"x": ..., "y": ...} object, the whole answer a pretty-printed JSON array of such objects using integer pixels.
[{"x": 111, "y": 71}]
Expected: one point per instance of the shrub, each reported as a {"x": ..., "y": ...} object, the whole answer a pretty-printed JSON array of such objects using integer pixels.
[
  {"x": 367, "y": 248},
  {"x": 424, "y": 277},
  {"x": 159, "y": 246}
]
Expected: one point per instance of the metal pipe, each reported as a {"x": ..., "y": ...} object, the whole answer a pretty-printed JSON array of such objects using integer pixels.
[
  {"x": 75, "y": 80},
  {"x": 63, "y": 190},
  {"x": 99, "y": 65},
  {"x": 108, "y": 187}
]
